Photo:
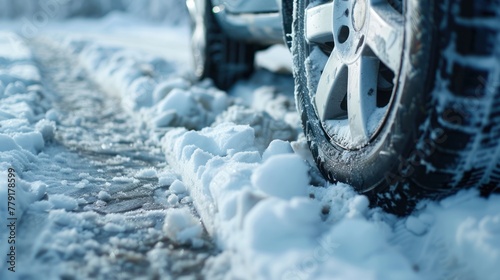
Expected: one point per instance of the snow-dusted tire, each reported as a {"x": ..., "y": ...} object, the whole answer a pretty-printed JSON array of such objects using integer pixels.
[
  {"x": 216, "y": 55},
  {"x": 439, "y": 130}
]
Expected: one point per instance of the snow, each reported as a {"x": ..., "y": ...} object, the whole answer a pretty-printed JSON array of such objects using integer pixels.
[
  {"x": 8, "y": 144},
  {"x": 277, "y": 147},
  {"x": 273, "y": 177},
  {"x": 20, "y": 140},
  {"x": 104, "y": 196},
  {"x": 61, "y": 201},
  {"x": 166, "y": 179},
  {"x": 263, "y": 212},
  {"x": 235, "y": 169},
  {"x": 177, "y": 187},
  {"x": 146, "y": 173},
  {"x": 182, "y": 227}
]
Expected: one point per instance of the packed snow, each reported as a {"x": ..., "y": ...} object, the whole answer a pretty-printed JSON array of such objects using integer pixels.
[{"x": 126, "y": 167}]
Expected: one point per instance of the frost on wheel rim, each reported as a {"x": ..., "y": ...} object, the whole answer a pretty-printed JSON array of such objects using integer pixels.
[
  {"x": 364, "y": 43},
  {"x": 389, "y": 99}
]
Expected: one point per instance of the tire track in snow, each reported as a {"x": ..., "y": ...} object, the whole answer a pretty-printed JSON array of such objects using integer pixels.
[
  {"x": 104, "y": 141},
  {"x": 103, "y": 216}
]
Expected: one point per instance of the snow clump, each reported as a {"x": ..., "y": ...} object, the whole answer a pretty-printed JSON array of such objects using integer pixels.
[{"x": 183, "y": 227}]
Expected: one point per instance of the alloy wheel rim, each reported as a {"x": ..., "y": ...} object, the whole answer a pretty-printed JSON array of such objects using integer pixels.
[{"x": 363, "y": 41}]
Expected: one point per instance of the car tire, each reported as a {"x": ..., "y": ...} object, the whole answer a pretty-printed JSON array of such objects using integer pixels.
[
  {"x": 215, "y": 55},
  {"x": 437, "y": 128}
]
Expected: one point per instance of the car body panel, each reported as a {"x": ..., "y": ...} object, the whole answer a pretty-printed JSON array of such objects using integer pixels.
[
  {"x": 256, "y": 21},
  {"x": 248, "y": 6}
]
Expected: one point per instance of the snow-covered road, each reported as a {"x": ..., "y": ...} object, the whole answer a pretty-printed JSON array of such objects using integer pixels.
[
  {"x": 104, "y": 204},
  {"x": 127, "y": 168}
]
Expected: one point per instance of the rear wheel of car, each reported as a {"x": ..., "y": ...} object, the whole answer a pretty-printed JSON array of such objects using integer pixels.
[
  {"x": 400, "y": 98},
  {"x": 216, "y": 55}
]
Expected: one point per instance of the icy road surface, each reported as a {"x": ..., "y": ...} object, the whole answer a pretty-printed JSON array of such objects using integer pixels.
[
  {"x": 105, "y": 206},
  {"x": 126, "y": 168}
]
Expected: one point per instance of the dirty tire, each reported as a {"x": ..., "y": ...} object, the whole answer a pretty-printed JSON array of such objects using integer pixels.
[{"x": 442, "y": 130}]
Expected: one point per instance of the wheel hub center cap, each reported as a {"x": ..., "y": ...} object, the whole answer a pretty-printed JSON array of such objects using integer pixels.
[{"x": 359, "y": 14}]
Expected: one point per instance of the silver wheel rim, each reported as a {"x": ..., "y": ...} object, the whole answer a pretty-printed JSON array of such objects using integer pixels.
[{"x": 362, "y": 43}]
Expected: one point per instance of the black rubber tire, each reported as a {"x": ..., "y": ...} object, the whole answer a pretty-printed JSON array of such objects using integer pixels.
[
  {"x": 287, "y": 16},
  {"x": 442, "y": 133},
  {"x": 215, "y": 55}
]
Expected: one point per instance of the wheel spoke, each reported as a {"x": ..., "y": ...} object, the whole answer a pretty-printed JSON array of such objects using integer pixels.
[
  {"x": 332, "y": 90},
  {"x": 362, "y": 96},
  {"x": 386, "y": 34},
  {"x": 319, "y": 23}
]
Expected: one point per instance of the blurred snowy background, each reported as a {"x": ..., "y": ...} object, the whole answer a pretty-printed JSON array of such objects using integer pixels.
[{"x": 38, "y": 12}]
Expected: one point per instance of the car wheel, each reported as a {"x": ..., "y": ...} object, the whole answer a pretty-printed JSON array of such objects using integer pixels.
[
  {"x": 215, "y": 55},
  {"x": 400, "y": 98}
]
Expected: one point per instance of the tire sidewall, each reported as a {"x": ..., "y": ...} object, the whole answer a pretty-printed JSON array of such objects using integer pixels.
[{"x": 384, "y": 161}]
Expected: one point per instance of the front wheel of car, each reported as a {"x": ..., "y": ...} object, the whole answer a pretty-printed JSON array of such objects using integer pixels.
[
  {"x": 400, "y": 98},
  {"x": 215, "y": 54}
]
